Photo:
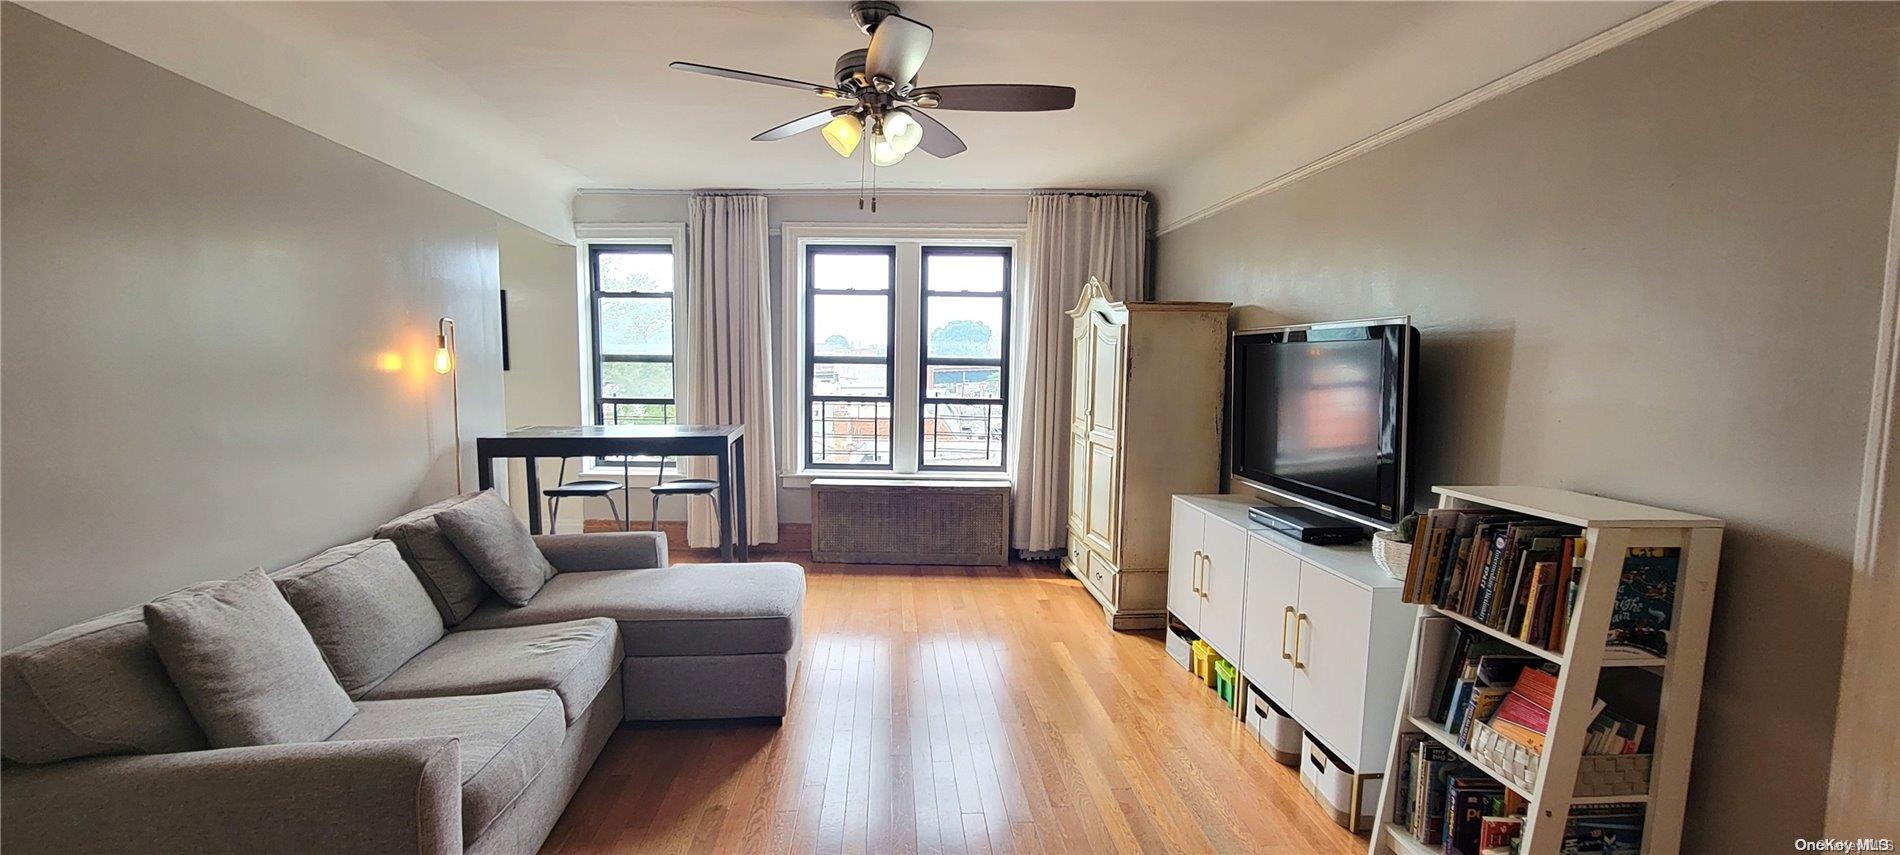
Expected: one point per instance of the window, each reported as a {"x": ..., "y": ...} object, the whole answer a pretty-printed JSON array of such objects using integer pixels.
[
  {"x": 850, "y": 314},
  {"x": 632, "y": 288},
  {"x": 965, "y": 356},
  {"x": 905, "y": 355}
]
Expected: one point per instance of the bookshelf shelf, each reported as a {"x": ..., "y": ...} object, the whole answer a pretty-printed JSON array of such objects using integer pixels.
[
  {"x": 1450, "y": 740},
  {"x": 1404, "y": 843},
  {"x": 1610, "y": 529}
]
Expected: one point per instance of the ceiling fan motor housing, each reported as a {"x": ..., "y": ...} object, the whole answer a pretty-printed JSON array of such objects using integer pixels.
[
  {"x": 867, "y": 14},
  {"x": 850, "y": 68}
]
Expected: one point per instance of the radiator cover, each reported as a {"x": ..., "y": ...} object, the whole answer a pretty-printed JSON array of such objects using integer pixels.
[{"x": 859, "y": 521}]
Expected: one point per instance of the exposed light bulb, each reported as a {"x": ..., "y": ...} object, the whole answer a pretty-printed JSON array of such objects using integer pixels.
[
  {"x": 843, "y": 133},
  {"x": 903, "y": 131},
  {"x": 443, "y": 360}
]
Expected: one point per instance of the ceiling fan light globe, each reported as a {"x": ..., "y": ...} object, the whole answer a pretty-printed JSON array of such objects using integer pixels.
[
  {"x": 903, "y": 131},
  {"x": 843, "y": 134},
  {"x": 884, "y": 153}
]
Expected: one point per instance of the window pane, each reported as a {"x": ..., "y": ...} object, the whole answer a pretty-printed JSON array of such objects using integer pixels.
[
  {"x": 641, "y": 326},
  {"x": 849, "y": 433},
  {"x": 849, "y": 378},
  {"x": 636, "y": 380},
  {"x": 964, "y": 381},
  {"x": 948, "y": 272},
  {"x": 637, "y": 414},
  {"x": 856, "y": 271},
  {"x": 963, "y": 434},
  {"x": 850, "y": 324},
  {"x": 647, "y": 271},
  {"x": 965, "y": 326}
]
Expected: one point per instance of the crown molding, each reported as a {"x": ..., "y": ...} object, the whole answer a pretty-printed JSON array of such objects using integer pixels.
[{"x": 1620, "y": 34}]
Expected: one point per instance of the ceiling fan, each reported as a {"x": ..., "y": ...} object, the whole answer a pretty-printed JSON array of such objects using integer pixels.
[{"x": 886, "y": 101}]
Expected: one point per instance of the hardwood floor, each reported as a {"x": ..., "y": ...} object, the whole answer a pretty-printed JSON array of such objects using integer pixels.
[{"x": 956, "y": 710}]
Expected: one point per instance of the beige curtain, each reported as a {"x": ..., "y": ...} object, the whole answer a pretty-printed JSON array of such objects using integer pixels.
[
  {"x": 1070, "y": 238},
  {"x": 728, "y": 345}
]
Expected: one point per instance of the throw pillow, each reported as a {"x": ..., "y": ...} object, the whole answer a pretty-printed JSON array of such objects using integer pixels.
[
  {"x": 498, "y": 546},
  {"x": 452, "y": 584},
  {"x": 246, "y": 667}
]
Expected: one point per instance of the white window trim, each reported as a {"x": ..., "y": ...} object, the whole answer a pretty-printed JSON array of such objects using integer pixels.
[
  {"x": 909, "y": 238},
  {"x": 670, "y": 234}
]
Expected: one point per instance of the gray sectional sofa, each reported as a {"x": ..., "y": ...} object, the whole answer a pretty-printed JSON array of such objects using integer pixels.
[{"x": 470, "y": 721}]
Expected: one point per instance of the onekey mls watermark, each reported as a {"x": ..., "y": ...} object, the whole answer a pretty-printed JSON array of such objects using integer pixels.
[{"x": 1842, "y": 844}]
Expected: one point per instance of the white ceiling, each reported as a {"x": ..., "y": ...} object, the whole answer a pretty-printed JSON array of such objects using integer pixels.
[{"x": 518, "y": 104}]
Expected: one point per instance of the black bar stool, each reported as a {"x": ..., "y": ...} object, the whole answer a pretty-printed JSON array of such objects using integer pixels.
[
  {"x": 680, "y": 487},
  {"x": 590, "y": 487}
]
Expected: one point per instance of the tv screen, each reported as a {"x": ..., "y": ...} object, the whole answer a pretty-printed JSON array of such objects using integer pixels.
[{"x": 1318, "y": 415}]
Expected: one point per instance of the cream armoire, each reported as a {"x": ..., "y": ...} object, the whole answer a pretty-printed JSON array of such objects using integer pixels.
[{"x": 1144, "y": 425}]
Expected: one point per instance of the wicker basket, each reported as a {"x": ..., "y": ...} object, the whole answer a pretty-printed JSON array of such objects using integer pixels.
[
  {"x": 1392, "y": 556},
  {"x": 1597, "y": 774}
]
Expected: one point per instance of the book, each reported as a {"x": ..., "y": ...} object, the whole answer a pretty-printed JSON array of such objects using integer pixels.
[
  {"x": 1614, "y": 828},
  {"x": 1467, "y": 799},
  {"x": 1402, "y": 796},
  {"x": 1479, "y": 706},
  {"x": 1645, "y": 600},
  {"x": 1434, "y": 764},
  {"x": 1524, "y": 714},
  {"x": 1499, "y": 835}
]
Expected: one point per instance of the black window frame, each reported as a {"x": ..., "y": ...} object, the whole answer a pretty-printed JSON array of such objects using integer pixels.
[
  {"x": 888, "y": 360},
  {"x": 596, "y": 295},
  {"x": 924, "y": 360}
]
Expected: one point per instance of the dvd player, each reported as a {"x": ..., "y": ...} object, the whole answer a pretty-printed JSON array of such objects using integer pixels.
[{"x": 1305, "y": 525}]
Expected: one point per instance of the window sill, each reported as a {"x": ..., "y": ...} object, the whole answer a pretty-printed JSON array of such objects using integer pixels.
[{"x": 801, "y": 480}]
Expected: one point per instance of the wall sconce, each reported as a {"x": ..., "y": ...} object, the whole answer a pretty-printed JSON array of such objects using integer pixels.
[{"x": 445, "y": 363}]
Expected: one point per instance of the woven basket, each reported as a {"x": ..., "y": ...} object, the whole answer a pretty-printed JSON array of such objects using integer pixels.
[
  {"x": 1392, "y": 556},
  {"x": 1597, "y": 774}
]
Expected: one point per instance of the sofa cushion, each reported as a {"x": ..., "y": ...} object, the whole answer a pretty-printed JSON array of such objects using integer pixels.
[
  {"x": 95, "y": 687},
  {"x": 248, "y": 670},
  {"x": 452, "y": 584},
  {"x": 506, "y": 740},
  {"x": 497, "y": 544},
  {"x": 572, "y": 659},
  {"x": 685, "y": 610},
  {"x": 364, "y": 607}
]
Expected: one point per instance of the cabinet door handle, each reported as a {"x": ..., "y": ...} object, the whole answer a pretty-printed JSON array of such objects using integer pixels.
[
  {"x": 1285, "y": 614},
  {"x": 1207, "y": 575},
  {"x": 1302, "y": 618},
  {"x": 1194, "y": 572}
]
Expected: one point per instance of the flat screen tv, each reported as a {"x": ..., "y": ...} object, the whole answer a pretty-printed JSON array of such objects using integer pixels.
[{"x": 1317, "y": 414}]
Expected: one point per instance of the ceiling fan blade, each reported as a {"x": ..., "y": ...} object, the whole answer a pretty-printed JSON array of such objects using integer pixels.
[
  {"x": 999, "y": 97},
  {"x": 754, "y": 77},
  {"x": 898, "y": 48},
  {"x": 938, "y": 140},
  {"x": 801, "y": 124}
]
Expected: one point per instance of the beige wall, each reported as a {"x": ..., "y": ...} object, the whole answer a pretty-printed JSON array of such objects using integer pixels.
[
  {"x": 199, "y": 303},
  {"x": 1655, "y": 275},
  {"x": 542, "y": 385}
]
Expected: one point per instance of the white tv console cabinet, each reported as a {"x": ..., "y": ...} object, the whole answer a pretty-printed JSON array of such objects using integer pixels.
[{"x": 1319, "y": 630}]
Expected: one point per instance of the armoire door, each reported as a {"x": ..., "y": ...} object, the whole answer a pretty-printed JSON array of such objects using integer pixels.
[
  {"x": 1105, "y": 382},
  {"x": 1082, "y": 373},
  {"x": 1273, "y": 592},
  {"x": 1102, "y": 487},
  {"x": 1078, "y": 481},
  {"x": 1331, "y": 632}
]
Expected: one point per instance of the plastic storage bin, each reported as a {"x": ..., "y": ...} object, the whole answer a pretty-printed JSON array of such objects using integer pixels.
[
  {"x": 1337, "y": 789},
  {"x": 1202, "y": 657},
  {"x": 1227, "y": 684},
  {"x": 1180, "y": 644},
  {"x": 1275, "y": 729}
]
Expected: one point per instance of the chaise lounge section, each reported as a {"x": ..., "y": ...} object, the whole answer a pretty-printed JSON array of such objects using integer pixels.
[{"x": 474, "y": 719}]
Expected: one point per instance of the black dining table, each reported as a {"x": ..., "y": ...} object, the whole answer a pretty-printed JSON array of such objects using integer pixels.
[{"x": 724, "y": 443}]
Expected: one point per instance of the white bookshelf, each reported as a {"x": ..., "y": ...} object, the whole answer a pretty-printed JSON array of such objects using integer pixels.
[{"x": 1611, "y": 528}]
